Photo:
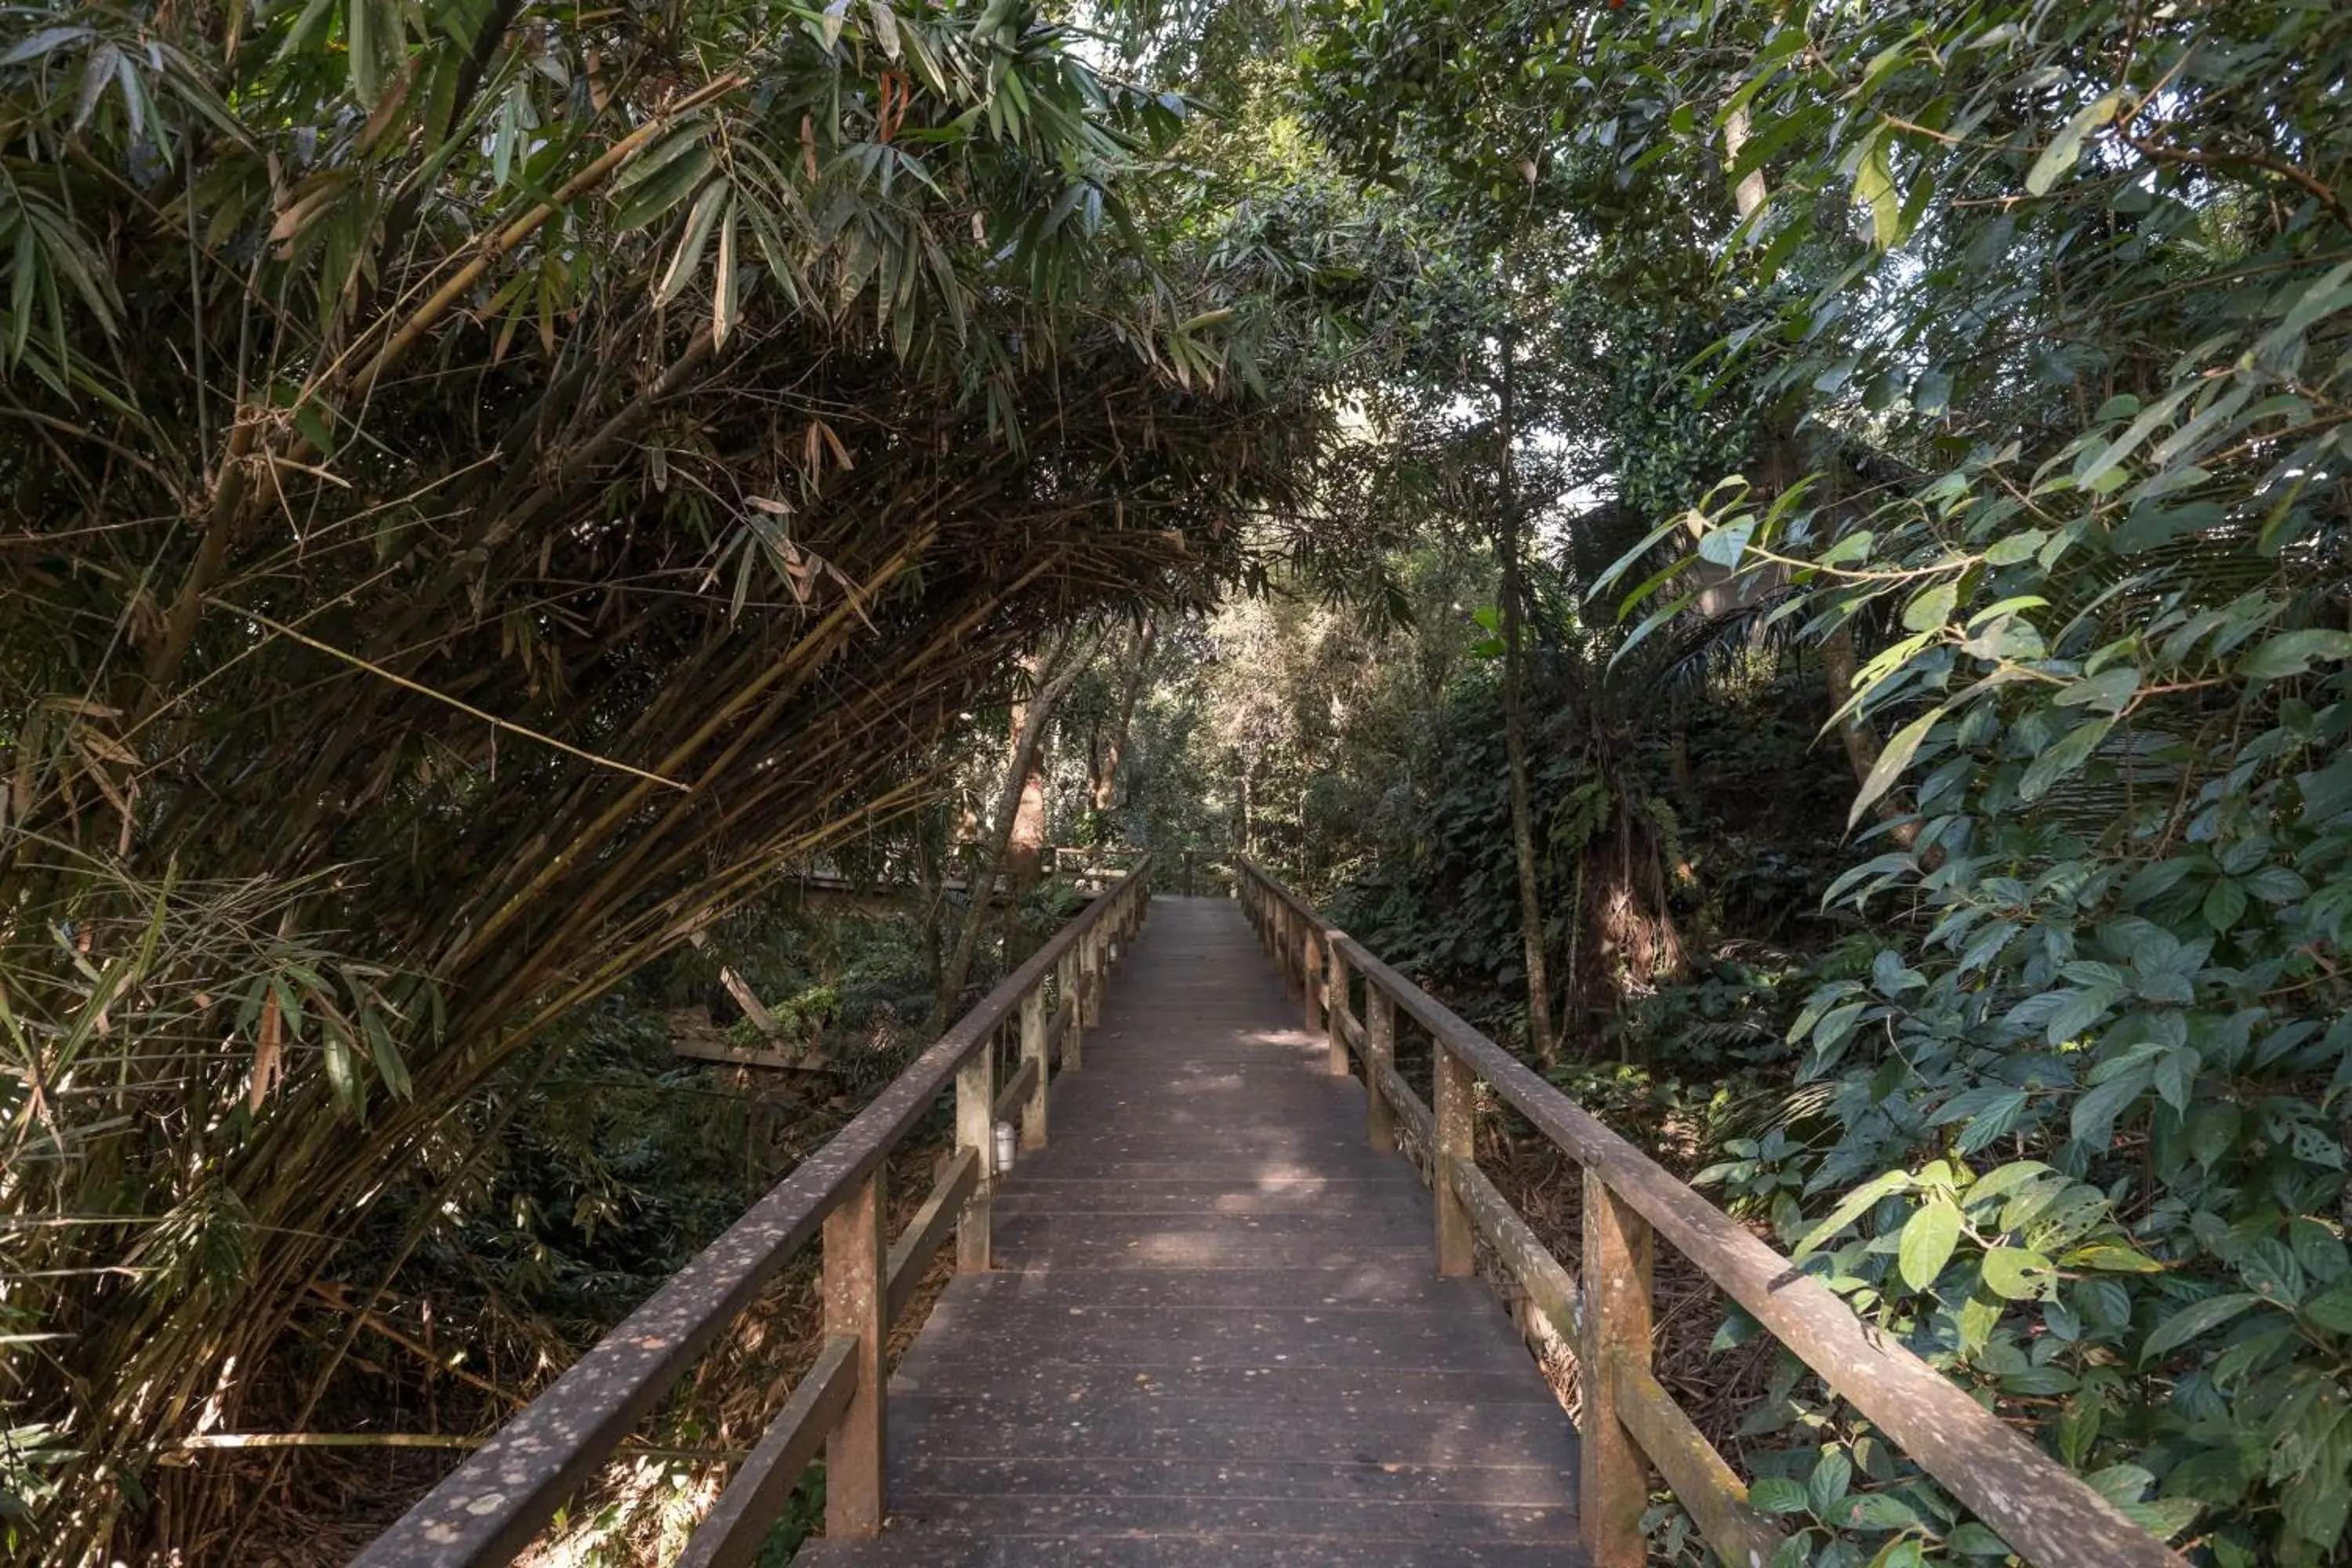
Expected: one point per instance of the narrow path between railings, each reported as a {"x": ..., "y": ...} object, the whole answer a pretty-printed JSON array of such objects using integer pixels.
[{"x": 1215, "y": 1333}]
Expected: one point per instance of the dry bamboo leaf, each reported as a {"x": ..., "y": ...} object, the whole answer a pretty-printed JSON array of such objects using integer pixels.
[{"x": 265, "y": 1055}]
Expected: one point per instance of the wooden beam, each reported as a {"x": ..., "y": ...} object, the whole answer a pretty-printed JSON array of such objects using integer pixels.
[
  {"x": 1337, "y": 1020},
  {"x": 734, "y": 1055},
  {"x": 1706, "y": 1486},
  {"x": 737, "y": 1526},
  {"x": 911, "y": 1253},
  {"x": 1407, "y": 1107},
  {"x": 1015, "y": 1094},
  {"x": 856, "y": 1294},
  {"x": 1550, "y": 1285},
  {"x": 1612, "y": 1481}
]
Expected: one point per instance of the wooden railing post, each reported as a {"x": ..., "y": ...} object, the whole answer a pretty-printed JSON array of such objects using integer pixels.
[
  {"x": 975, "y": 1118},
  {"x": 1065, "y": 987},
  {"x": 1310, "y": 976},
  {"x": 1457, "y": 1140},
  {"x": 1034, "y": 1050},
  {"x": 1335, "y": 1004},
  {"x": 856, "y": 1290},
  {"x": 1090, "y": 979},
  {"x": 1612, "y": 1479},
  {"x": 1379, "y": 1051}
]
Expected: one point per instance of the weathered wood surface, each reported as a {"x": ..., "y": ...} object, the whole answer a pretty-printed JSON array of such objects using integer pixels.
[{"x": 1214, "y": 1333}]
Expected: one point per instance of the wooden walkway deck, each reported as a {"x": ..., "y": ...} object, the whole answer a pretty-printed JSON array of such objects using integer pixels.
[{"x": 1214, "y": 1333}]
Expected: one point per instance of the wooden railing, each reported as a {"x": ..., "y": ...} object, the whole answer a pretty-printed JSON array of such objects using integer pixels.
[
  {"x": 2048, "y": 1515},
  {"x": 491, "y": 1506}
]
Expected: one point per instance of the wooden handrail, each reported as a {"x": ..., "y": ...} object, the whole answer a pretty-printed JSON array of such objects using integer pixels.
[
  {"x": 490, "y": 1507},
  {"x": 2046, "y": 1513}
]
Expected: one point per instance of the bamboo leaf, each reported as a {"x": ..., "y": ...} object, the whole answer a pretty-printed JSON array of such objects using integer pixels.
[
  {"x": 2067, "y": 146},
  {"x": 687, "y": 257},
  {"x": 724, "y": 305}
]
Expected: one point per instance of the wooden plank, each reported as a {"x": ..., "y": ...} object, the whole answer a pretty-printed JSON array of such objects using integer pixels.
[
  {"x": 1612, "y": 1482},
  {"x": 1701, "y": 1482},
  {"x": 1550, "y": 1285},
  {"x": 1015, "y": 1093},
  {"x": 735, "y": 1056},
  {"x": 911, "y": 1253},
  {"x": 1045, "y": 1547},
  {"x": 2045, "y": 1512},
  {"x": 737, "y": 1526},
  {"x": 749, "y": 1000},
  {"x": 857, "y": 1295},
  {"x": 1063, "y": 1033},
  {"x": 1456, "y": 1247}
]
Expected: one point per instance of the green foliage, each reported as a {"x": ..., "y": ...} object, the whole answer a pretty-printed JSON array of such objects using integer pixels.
[
  {"x": 2114, "y": 676},
  {"x": 2055, "y": 302}
]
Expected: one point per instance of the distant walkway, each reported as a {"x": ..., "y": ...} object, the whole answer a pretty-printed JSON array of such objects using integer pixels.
[{"x": 1215, "y": 1336}]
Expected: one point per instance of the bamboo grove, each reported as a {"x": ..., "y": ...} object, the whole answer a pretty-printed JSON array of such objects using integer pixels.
[{"x": 488, "y": 484}]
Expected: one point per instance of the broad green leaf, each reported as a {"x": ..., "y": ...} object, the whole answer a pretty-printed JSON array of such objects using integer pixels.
[
  {"x": 1890, "y": 763},
  {"x": 1875, "y": 1510},
  {"x": 1970, "y": 1539},
  {"x": 1724, "y": 546},
  {"x": 2017, "y": 1273},
  {"x": 2106, "y": 692},
  {"x": 1931, "y": 607},
  {"x": 2064, "y": 758},
  {"x": 1929, "y": 1237},
  {"x": 1826, "y": 1486},
  {"x": 2198, "y": 1318},
  {"x": 2293, "y": 653},
  {"x": 2331, "y": 1309},
  {"x": 1851, "y": 1207}
]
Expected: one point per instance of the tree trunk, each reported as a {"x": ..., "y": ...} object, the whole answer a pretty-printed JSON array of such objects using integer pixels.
[
  {"x": 1508, "y": 543},
  {"x": 1024, "y": 847},
  {"x": 1024, "y": 854},
  {"x": 1115, "y": 744},
  {"x": 1036, "y": 714}
]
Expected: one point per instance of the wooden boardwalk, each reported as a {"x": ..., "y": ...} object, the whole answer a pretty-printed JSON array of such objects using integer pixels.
[{"x": 1215, "y": 1334}]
